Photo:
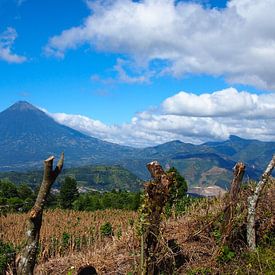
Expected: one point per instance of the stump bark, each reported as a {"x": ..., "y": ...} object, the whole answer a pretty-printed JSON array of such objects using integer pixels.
[
  {"x": 27, "y": 258},
  {"x": 156, "y": 196},
  {"x": 252, "y": 204},
  {"x": 239, "y": 170}
]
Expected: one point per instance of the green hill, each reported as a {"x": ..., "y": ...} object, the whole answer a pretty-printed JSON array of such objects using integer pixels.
[{"x": 103, "y": 178}]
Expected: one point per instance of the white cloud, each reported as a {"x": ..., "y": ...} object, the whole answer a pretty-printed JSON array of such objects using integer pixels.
[
  {"x": 124, "y": 77},
  {"x": 190, "y": 118},
  {"x": 225, "y": 103},
  {"x": 121, "y": 70},
  {"x": 7, "y": 39},
  {"x": 237, "y": 42}
]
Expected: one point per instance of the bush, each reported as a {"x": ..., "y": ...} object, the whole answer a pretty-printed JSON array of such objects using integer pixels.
[
  {"x": 7, "y": 255},
  {"x": 106, "y": 229}
]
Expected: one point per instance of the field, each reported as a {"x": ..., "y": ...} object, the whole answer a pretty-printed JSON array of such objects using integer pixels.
[
  {"x": 71, "y": 239},
  {"x": 66, "y": 232}
]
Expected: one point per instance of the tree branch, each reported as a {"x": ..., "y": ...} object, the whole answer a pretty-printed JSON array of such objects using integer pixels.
[{"x": 252, "y": 204}]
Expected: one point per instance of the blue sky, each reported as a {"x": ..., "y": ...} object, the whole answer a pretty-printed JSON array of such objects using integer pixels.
[{"x": 142, "y": 66}]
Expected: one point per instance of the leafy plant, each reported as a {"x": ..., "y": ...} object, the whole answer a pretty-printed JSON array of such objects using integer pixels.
[
  {"x": 65, "y": 239},
  {"x": 217, "y": 234},
  {"x": 106, "y": 229},
  {"x": 226, "y": 254},
  {"x": 7, "y": 254}
]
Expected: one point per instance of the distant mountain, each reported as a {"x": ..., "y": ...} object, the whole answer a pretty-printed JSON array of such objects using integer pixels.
[
  {"x": 256, "y": 154},
  {"x": 208, "y": 163},
  {"x": 104, "y": 178},
  {"x": 28, "y": 135}
]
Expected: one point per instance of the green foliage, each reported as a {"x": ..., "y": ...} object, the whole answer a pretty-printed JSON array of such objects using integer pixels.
[
  {"x": 24, "y": 191},
  {"x": 7, "y": 254},
  {"x": 93, "y": 201},
  {"x": 71, "y": 271},
  {"x": 226, "y": 254},
  {"x": 217, "y": 234},
  {"x": 65, "y": 239},
  {"x": 68, "y": 193},
  {"x": 179, "y": 207},
  {"x": 268, "y": 239},
  {"x": 8, "y": 189},
  {"x": 182, "y": 205},
  {"x": 261, "y": 261},
  {"x": 15, "y": 198},
  {"x": 106, "y": 229},
  {"x": 178, "y": 201},
  {"x": 263, "y": 257},
  {"x": 100, "y": 177},
  {"x": 179, "y": 188}
]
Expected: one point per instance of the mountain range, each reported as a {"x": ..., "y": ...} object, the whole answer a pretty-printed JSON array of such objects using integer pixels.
[{"x": 28, "y": 136}]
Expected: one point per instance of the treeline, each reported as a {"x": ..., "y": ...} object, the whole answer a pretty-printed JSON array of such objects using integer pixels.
[
  {"x": 108, "y": 200},
  {"x": 99, "y": 177},
  {"x": 22, "y": 197},
  {"x": 15, "y": 197}
]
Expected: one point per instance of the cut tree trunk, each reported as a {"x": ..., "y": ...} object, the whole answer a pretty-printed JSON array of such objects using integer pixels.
[
  {"x": 156, "y": 196},
  {"x": 239, "y": 170},
  {"x": 27, "y": 258},
  {"x": 252, "y": 204}
]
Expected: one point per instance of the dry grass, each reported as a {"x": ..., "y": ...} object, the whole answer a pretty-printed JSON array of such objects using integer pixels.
[
  {"x": 196, "y": 233},
  {"x": 65, "y": 232}
]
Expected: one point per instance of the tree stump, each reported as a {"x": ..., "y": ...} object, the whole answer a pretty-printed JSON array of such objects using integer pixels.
[
  {"x": 27, "y": 258},
  {"x": 156, "y": 196}
]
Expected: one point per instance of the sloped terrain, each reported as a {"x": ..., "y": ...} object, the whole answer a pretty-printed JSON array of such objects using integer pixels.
[
  {"x": 103, "y": 178},
  {"x": 28, "y": 136}
]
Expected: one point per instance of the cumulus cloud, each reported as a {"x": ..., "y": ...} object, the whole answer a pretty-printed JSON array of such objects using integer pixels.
[
  {"x": 189, "y": 118},
  {"x": 7, "y": 39},
  {"x": 237, "y": 42},
  {"x": 225, "y": 103}
]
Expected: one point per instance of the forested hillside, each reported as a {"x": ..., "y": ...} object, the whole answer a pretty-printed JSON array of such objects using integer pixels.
[{"x": 102, "y": 178}]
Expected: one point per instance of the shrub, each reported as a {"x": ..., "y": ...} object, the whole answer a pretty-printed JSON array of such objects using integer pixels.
[
  {"x": 226, "y": 254},
  {"x": 7, "y": 255},
  {"x": 106, "y": 229}
]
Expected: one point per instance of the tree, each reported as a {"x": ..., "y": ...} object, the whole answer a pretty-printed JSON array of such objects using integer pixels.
[
  {"x": 179, "y": 188},
  {"x": 7, "y": 189},
  {"x": 68, "y": 193},
  {"x": 25, "y": 192}
]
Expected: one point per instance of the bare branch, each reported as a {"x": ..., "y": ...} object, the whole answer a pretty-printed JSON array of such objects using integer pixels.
[{"x": 252, "y": 204}]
